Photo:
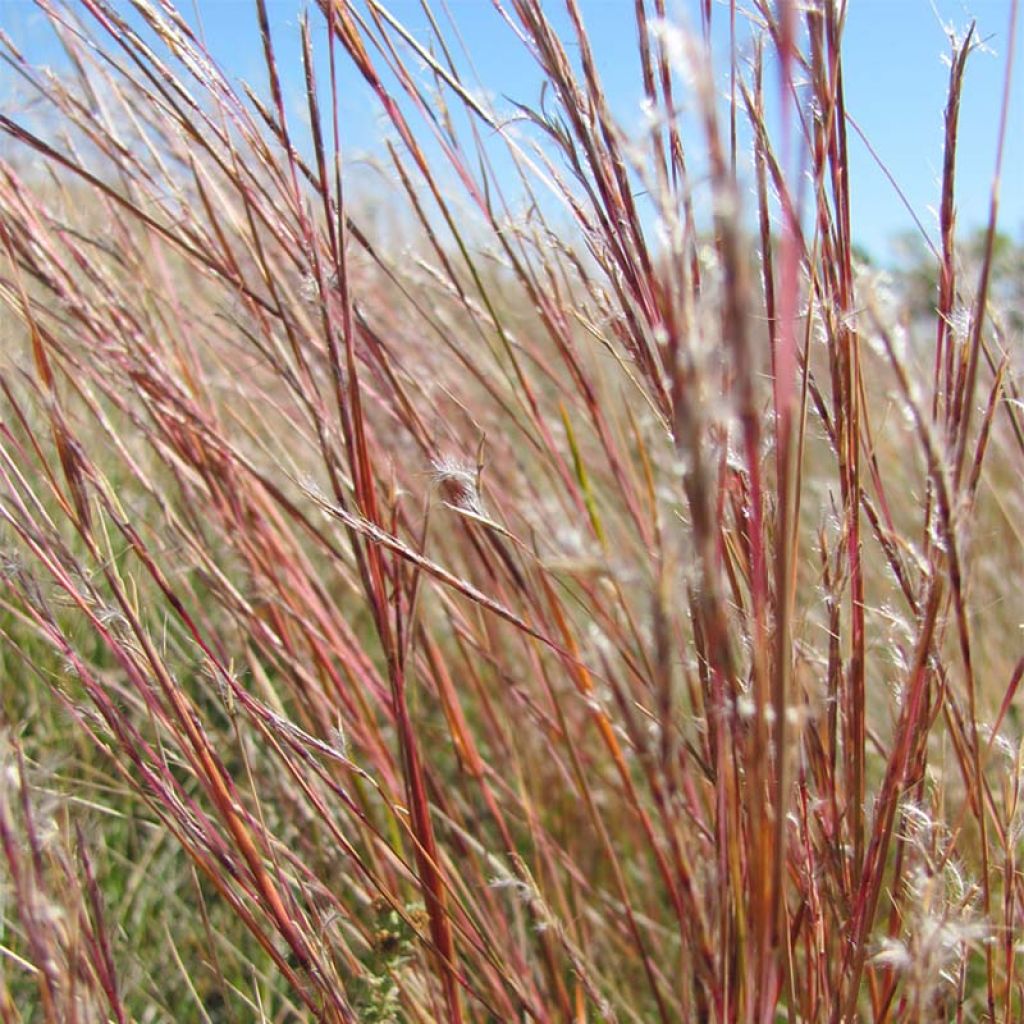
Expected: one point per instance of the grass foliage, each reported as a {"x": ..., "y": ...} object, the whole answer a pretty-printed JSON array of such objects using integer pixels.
[{"x": 575, "y": 589}]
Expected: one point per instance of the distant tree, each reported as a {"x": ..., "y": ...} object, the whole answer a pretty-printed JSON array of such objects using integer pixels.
[{"x": 916, "y": 272}]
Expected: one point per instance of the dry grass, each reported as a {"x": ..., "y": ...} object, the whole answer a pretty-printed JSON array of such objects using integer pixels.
[{"x": 505, "y": 622}]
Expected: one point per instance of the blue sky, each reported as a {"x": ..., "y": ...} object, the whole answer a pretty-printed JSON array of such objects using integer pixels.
[{"x": 895, "y": 86}]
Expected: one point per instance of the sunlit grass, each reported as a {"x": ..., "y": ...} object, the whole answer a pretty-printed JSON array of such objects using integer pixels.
[{"x": 468, "y": 619}]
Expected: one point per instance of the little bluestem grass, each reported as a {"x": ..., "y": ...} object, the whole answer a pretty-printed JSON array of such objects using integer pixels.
[{"x": 570, "y": 599}]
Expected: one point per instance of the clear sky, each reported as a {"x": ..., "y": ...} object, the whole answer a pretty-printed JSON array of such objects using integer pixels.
[{"x": 895, "y": 80}]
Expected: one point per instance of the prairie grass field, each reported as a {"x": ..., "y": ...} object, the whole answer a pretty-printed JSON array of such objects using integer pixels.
[{"x": 541, "y": 571}]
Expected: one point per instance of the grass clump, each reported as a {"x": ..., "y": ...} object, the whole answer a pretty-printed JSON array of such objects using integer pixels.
[{"x": 569, "y": 597}]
